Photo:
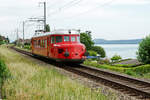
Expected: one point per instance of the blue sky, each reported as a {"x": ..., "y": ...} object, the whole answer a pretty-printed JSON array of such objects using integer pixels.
[{"x": 107, "y": 19}]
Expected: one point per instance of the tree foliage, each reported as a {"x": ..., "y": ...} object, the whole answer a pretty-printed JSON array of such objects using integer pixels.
[
  {"x": 47, "y": 28},
  {"x": 3, "y": 40},
  {"x": 86, "y": 40},
  {"x": 99, "y": 50},
  {"x": 143, "y": 54},
  {"x": 92, "y": 53},
  {"x": 116, "y": 58}
]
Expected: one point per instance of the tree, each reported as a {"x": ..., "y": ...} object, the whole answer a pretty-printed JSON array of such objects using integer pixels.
[
  {"x": 1, "y": 40},
  {"x": 116, "y": 58},
  {"x": 143, "y": 54},
  {"x": 7, "y": 40},
  {"x": 92, "y": 53},
  {"x": 47, "y": 28},
  {"x": 99, "y": 50},
  {"x": 86, "y": 40},
  {"x": 89, "y": 34}
]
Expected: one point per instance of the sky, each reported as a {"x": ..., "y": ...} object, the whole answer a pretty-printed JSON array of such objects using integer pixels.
[{"x": 107, "y": 19}]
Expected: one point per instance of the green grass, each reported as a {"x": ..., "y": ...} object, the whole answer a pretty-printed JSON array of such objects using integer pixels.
[
  {"x": 124, "y": 65},
  {"x": 4, "y": 72},
  {"x": 32, "y": 81},
  {"x": 139, "y": 71}
]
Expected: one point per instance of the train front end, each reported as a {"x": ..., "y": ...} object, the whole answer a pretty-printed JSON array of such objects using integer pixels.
[{"x": 69, "y": 48}]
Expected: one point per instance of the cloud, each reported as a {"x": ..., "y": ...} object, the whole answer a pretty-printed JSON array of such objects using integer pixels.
[
  {"x": 131, "y": 2},
  {"x": 86, "y": 14}
]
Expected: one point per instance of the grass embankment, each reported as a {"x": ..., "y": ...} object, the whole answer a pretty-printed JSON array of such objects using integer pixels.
[
  {"x": 4, "y": 73},
  {"x": 139, "y": 71},
  {"x": 33, "y": 82}
]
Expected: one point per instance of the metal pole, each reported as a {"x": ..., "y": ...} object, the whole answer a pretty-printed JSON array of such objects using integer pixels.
[
  {"x": 17, "y": 37},
  {"x": 23, "y": 33},
  {"x": 45, "y": 16}
]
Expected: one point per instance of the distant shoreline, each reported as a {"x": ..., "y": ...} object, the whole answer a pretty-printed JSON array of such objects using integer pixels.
[
  {"x": 116, "y": 43},
  {"x": 103, "y": 41}
]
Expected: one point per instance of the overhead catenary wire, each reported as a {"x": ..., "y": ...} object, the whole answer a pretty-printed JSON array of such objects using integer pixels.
[
  {"x": 65, "y": 6},
  {"x": 87, "y": 12}
]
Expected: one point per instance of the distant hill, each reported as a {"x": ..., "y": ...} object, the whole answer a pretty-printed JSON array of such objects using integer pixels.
[{"x": 103, "y": 41}]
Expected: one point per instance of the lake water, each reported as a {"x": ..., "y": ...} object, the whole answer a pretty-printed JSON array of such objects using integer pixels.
[{"x": 124, "y": 50}]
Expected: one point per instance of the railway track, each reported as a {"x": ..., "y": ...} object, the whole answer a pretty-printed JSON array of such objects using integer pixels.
[{"x": 137, "y": 88}]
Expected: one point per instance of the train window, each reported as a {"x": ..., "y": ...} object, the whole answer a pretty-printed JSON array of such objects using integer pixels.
[
  {"x": 48, "y": 41},
  {"x": 45, "y": 43},
  {"x": 39, "y": 43},
  {"x": 52, "y": 39},
  {"x": 78, "y": 39},
  {"x": 34, "y": 43},
  {"x": 66, "y": 38},
  {"x": 58, "y": 39},
  {"x": 73, "y": 38}
]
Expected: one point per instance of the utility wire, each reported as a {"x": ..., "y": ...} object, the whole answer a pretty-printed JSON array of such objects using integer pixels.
[
  {"x": 88, "y": 11},
  {"x": 67, "y": 5}
]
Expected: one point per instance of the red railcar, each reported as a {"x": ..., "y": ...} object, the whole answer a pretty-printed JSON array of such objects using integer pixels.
[{"x": 59, "y": 45}]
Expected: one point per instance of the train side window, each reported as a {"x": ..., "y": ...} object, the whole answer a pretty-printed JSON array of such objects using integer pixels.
[
  {"x": 48, "y": 39},
  {"x": 39, "y": 43},
  {"x": 58, "y": 39},
  {"x": 73, "y": 38},
  {"x": 34, "y": 43},
  {"x": 52, "y": 39},
  {"x": 42, "y": 43},
  {"x": 45, "y": 43},
  {"x": 66, "y": 38},
  {"x": 78, "y": 38}
]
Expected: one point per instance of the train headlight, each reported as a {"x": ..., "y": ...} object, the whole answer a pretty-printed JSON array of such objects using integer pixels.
[
  {"x": 60, "y": 50},
  {"x": 66, "y": 54}
]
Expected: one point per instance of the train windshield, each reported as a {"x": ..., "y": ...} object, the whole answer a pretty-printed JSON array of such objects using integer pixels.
[
  {"x": 58, "y": 39},
  {"x": 52, "y": 39},
  {"x": 78, "y": 39},
  {"x": 66, "y": 38},
  {"x": 73, "y": 38}
]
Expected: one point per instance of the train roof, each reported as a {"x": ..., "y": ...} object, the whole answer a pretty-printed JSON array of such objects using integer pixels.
[{"x": 55, "y": 32}]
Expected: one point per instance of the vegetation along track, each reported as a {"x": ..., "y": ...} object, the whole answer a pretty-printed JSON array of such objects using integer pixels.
[{"x": 131, "y": 86}]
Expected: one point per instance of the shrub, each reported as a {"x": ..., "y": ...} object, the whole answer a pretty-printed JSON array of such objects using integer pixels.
[
  {"x": 27, "y": 47},
  {"x": 142, "y": 69},
  {"x": 104, "y": 61},
  {"x": 2, "y": 42},
  {"x": 92, "y": 53},
  {"x": 143, "y": 54},
  {"x": 116, "y": 58},
  {"x": 130, "y": 72},
  {"x": 4, "y": 73},
  {"x": 99, "y": 50},
  {"x": 125, "y": 65}
]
